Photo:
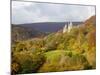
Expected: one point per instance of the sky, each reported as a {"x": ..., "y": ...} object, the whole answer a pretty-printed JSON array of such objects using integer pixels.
[{"x": 32, "y": 12}]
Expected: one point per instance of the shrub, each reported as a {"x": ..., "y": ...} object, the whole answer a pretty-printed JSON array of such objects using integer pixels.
[
  {"x": 60, "y": 60},
  {"x": 28, "y": 61}
]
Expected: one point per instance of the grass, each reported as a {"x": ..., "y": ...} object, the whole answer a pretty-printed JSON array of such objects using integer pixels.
[
  {"x": 62, "y": 60},
  {"x": 57, "y": 55}
]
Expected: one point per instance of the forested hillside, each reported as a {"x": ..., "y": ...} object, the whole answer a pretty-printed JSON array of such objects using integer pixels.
[
  {"x": 23, "y": 33},
  {"x": 74, "y": 50}
]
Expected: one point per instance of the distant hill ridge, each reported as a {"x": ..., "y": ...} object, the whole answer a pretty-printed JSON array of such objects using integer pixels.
[{"x": 47, "y": 26}]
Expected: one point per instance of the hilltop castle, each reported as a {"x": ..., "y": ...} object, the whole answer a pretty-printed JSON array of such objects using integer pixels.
[{"x": 67, "y": 27}]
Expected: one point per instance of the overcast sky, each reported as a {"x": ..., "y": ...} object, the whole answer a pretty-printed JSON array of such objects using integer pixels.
[{"x": 31, "y": 12}]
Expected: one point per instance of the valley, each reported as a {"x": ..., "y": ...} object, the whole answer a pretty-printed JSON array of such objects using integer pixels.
[{"x": 43, "y": 47}]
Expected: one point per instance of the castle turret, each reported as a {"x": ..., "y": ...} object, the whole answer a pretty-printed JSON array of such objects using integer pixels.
[
  {"x": 70, "y": 26},
  {"x": 65, "y": 28}
]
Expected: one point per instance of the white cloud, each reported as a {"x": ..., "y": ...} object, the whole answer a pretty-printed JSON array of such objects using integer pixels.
[
  {"x": 29, "y": 12},
  {"x": 18, "y": 4}
]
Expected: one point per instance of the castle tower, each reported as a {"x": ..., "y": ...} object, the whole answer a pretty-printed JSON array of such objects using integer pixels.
[
  {"x": 70, "y": 26},
  {"x": 65, "y": 28}
]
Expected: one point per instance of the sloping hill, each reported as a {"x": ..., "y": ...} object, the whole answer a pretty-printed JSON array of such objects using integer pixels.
[
  {"x": 91, "y": 20},
  {"x": 22, "y": 33}
]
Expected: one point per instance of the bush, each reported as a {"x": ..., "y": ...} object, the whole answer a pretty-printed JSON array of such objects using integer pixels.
[
  {"x": 28, "y": 61},
  {"x": 60, "y": 60}
]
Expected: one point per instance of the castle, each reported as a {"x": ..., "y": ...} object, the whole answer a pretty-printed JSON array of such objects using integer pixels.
[{"x": 67, "y": 27}]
